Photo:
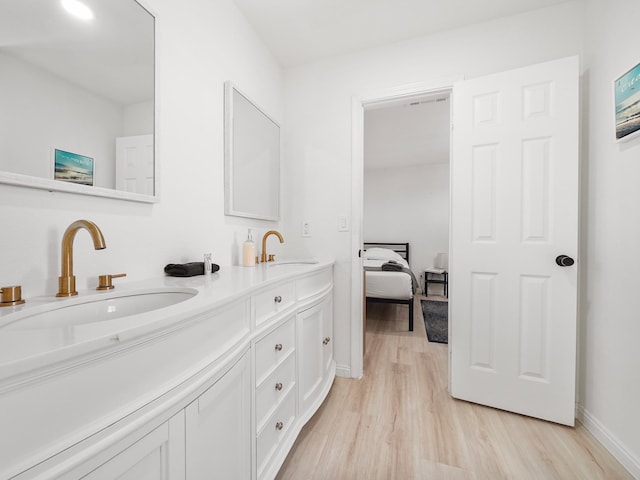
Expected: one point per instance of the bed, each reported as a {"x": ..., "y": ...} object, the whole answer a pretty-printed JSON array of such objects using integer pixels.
[{"x": 382, "y": 285}]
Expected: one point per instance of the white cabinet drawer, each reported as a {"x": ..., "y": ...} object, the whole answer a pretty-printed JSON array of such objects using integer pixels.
[
  {"x": 274, "y": 348},
  {"x": 275, "y": 430},
  {"x": 274, "y": 388},
  {"x": 313, "y": 284},
  {"x": 272, "y": 301}
]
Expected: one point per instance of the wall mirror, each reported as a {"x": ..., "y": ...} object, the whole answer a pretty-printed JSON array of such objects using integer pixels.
[
  {"x": 77, "y": 97},
  {"x": 252, "y": 159}
]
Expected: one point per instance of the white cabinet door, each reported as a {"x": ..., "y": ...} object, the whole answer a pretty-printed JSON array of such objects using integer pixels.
[
  {"x": 159, "y": 455},
  {"x": 218, "y": 438},
  {"x": 327, "y": 335},
  {"x": 310, "y": 354},
  {"x": 315, "y": 351}
]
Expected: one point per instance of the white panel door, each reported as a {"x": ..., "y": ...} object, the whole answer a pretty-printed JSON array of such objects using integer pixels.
[
  {"x": 134, "y": 164},
  {"x": 514, "y": 211}
]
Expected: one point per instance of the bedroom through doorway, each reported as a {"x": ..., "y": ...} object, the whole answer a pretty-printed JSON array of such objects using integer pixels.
[{"x": 406, "y": 168}]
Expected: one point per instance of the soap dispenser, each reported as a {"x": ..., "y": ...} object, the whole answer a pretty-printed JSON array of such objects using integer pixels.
[{"x": 249, "y": 251}]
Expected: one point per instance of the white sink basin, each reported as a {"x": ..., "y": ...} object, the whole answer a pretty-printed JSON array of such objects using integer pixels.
[{"x": 94, "y": 309}]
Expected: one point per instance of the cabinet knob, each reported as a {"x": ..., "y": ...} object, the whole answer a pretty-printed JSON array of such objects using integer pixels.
[
  {"x": 278, "y": 299},
  {"x": 279, "y": 426},
  {"x": 326, "y": 340},
  {"x": 278, "y": 386},
  {"x": 278, "y": 347}
]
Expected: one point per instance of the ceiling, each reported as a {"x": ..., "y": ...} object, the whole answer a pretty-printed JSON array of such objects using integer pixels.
[
  {"x": 112, "y": 55},
  {"x": 297, "y": 31},
  {"x": 409, "y": 133}
]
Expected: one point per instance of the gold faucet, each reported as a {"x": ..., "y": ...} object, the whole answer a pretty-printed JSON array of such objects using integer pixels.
[
  {"x": 67, "y": 280},
  {"x": 11, "y": 296},
  {"x": 263, "y": 257}
]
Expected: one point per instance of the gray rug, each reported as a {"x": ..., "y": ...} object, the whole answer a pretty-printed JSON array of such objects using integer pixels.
[{"x": 436, "y": 320}]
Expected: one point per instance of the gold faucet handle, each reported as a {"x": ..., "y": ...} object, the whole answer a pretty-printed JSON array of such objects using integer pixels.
[
  {"x": 10, "y": 296},
  {"x": 272, "y": 257},
  {"x": 105, "y": 282}
]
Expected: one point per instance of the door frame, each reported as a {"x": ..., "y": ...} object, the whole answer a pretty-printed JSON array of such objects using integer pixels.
[{"x": 358, "y": 104}]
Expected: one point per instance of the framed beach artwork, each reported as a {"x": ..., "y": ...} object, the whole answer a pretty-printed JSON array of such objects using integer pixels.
[
  {"x": 73, "y": 168},
  {"x": 627, "y": 98}
]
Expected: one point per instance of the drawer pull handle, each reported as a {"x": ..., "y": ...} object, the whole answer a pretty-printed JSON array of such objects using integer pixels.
[
  {"x": 278, "y": 386},
  {"x": 278, "y": 347},
  {"x": 278, "y": 299},
  {"x": 279, "y": 426},
  {"x": 326, "y": 340}
]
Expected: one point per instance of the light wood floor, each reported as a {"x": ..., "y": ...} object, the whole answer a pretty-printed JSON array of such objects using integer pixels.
[{"x": 399, "y": 422}]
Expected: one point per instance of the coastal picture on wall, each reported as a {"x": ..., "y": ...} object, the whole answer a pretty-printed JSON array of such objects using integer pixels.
[
  {"x": 627, "y": 97},
  {"x": 73, "y": 168}
]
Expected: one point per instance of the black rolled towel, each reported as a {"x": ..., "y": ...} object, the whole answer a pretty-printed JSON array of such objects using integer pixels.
[
  {"x": 391, "y": 266},
  {"x": 184, "y": 269},
  {"x": 188, "y": 269}
]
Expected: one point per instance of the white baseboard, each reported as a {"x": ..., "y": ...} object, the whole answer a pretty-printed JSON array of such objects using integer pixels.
[
  {"x": 343, "y": 371},
  {"x": 609, "y": 441}
]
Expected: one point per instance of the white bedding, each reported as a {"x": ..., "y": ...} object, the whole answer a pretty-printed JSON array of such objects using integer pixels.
[{"x": 391, "y": 285}]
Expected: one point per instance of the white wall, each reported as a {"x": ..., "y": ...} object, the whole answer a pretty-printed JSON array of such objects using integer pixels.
[
  {"x": 409, "y": 204},
  {"x": 317, "y": 150},
  {"x": 609, "y": 386},
  {"x": 138, "y": 119},
  {"x": 200, "y": 44},
  {"x": 41, "y": 111}
]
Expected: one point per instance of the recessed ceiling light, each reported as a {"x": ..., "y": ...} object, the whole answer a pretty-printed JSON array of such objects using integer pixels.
[{"x": 78, "y": 9}]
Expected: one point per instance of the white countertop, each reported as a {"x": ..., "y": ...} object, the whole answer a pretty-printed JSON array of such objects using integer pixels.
[{"x": 27, "y": 348}]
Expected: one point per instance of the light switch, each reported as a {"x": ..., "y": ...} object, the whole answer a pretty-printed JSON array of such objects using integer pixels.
[{"x": 343, "y": 223}]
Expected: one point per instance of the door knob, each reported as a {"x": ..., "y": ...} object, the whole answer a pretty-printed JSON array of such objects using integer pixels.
[{"x": 564, "y": 260}]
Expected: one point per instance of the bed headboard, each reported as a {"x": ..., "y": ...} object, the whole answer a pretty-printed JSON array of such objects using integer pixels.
[{"x": 401, "y": 249}]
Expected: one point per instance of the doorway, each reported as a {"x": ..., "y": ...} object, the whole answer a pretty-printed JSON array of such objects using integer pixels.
[
  {"x": 406, "y": 199},
  {"x": 411, "y": 99}
]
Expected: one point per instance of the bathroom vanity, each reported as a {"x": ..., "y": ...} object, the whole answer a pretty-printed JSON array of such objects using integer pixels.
[{"x": 215, "y": 383}]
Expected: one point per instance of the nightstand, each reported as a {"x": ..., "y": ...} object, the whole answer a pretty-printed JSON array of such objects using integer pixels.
[{"x": 438, "y": 276}]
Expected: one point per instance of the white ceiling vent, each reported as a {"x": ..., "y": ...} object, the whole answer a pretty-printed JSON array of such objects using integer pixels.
[{"x": 424, "y": 101}]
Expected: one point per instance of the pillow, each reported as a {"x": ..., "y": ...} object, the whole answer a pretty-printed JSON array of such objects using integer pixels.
[{"x": 382, "y": 254}]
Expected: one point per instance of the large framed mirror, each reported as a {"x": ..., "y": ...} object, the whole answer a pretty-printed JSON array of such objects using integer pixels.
[
  {"x": 78, "y": 97},
  {"x": 252, "y": 159}
]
